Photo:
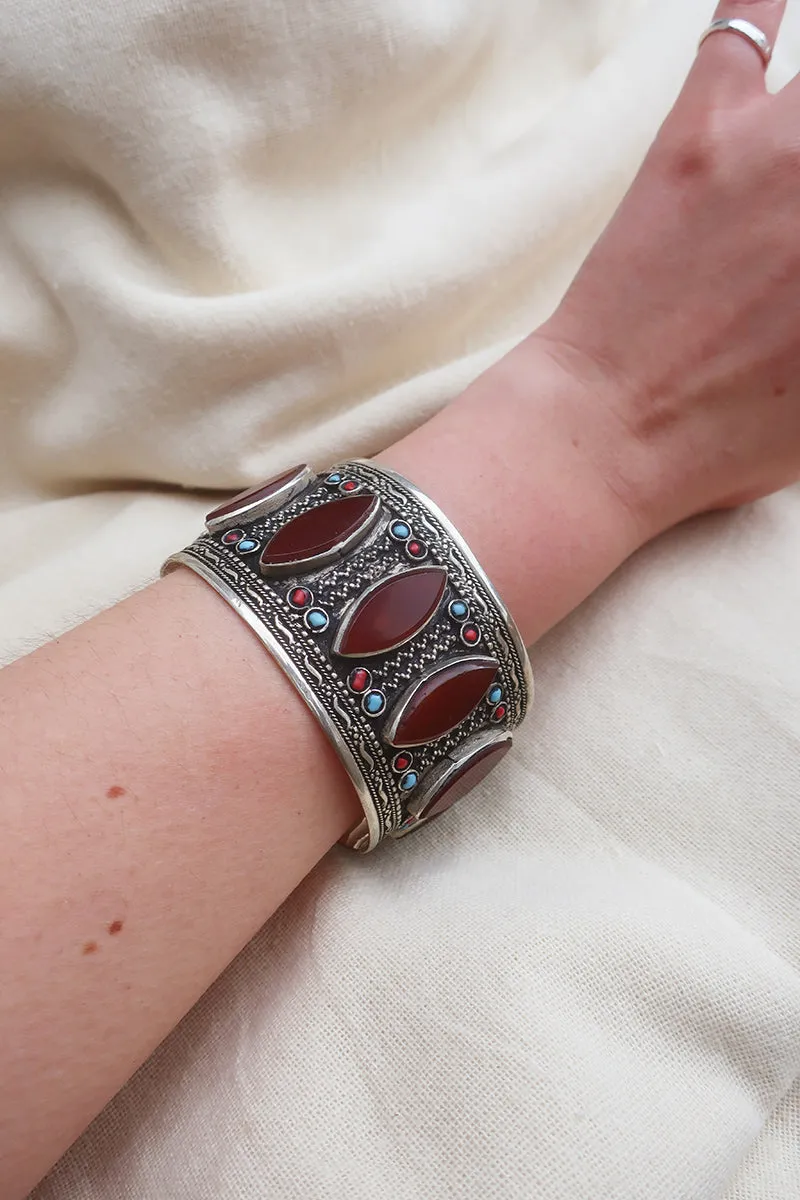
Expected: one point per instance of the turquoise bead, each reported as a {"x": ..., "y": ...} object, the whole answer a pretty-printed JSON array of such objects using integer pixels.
[
  {"x": 247, "y": 546},
  {"x": 409, "y": 781},
  {"x": 374, "y": 703},
  {"x": 401, "y": 531},
  {"x": 495, "y": 694},
  {"x": 459, "y": 610},
  {"x": 316, "y": 619}
]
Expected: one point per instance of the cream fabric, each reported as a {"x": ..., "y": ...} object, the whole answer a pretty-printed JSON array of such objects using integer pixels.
[{"x": 235, "y": 233}]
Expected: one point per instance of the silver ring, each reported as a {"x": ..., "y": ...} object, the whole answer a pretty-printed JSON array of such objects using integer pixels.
[{"x": 751, "y": 33}]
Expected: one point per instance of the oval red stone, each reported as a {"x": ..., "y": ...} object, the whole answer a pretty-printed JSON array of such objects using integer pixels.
[
  {"x": 438, "y": 702},
  {"x": 360, "y": 679},
  {"x": 300, "y": 597},
  {"x": 250, "y": 498},
  {"x": 391, "y": 612},
  {"x": 465, "y": 778},
  {"x": 320, "y": 534}
]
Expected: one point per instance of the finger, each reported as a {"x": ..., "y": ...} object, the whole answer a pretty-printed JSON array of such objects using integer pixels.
[{"x": 729, "y": 69}]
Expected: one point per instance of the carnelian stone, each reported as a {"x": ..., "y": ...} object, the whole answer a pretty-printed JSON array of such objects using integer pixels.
[
  {"x": 392, "y": 612},
  {"x": 252, "y": 495},
  {"x": 317, "y": 531},
  {"x": 443, "y": 700},
  {"x": 463, "y": 780}
]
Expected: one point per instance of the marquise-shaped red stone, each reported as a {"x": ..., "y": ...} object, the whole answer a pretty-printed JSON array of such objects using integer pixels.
[
  {"x": 465, "y": 778},
  {"x": 438, "y": 702},
  {"x": 390, "y": 613},
  {"x": 251, "y": 497},
  {"x": 320, "y": 532}
]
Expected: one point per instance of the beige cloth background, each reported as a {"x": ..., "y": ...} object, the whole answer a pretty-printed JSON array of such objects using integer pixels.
[{"x": 235, "y": 233}]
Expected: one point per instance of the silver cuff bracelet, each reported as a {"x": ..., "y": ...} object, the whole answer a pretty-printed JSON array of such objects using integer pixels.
[{"x": 376, "y": 609}]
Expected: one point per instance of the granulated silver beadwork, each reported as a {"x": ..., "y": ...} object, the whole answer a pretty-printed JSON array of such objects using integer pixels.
[{"x": 376, "y": 609}]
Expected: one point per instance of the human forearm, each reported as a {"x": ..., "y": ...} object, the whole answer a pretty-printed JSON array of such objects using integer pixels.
[{"x": 164, "y": 788}]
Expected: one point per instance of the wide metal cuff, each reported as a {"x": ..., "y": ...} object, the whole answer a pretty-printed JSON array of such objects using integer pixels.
[{"x": 378, "y": 612}]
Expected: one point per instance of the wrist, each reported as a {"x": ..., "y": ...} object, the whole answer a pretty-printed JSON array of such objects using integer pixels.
[
  {"x": 591, "y": 412},
  {"x": 529, "y": 466},
  {"x": 643, "y": 448}
]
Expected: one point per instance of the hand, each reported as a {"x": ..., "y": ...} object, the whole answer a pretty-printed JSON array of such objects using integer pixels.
[{"x": 685, "y": 318}]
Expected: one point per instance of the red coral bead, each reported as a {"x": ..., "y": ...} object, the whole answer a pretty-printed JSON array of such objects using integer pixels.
[
  {"x": 470, "y": 634},
  {"x": 359, "y": 680},
  {"x": 300, "y": 597}
]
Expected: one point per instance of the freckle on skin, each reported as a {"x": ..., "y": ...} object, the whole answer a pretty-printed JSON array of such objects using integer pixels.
[
  {"x": 115, "y": 927},
  {"x": 694, "y": 160},
  {"x": 90, "y": 947},
  {"x": 115, "y": 792}
]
